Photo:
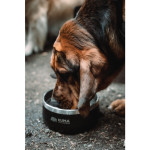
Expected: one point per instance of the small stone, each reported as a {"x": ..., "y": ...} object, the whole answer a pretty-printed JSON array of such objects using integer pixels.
[
  {"x": 58, "y": 134},
  {"x": 119, "y": 95},
  {"x": 90, "y": 145},
  {"x": 112, "y": 90},
  {"x": 73, "y": 143},
  {"x": 119, "y": 124},
  {"x": 37, "y": 101},
  {"x": 28, "y": 133},
  {"x": 38, "y": 120},
  {"x": 46, "y": 130}
]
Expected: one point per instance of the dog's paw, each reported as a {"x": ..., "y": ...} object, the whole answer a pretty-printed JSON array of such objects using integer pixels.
[
  {"x": 28, "y": 49},
  {"x": 118, "y": 106}
]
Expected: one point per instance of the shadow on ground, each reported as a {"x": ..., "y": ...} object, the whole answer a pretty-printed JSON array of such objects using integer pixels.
[{"x": 108, "y": 134}]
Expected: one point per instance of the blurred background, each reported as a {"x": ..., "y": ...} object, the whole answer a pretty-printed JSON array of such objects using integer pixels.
[{"x": 43, "y": 19}]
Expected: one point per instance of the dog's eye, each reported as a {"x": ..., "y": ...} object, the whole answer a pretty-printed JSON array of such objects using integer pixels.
[
  {"x": 63, "y": 70},
  {"x": 64, "y": 76}
]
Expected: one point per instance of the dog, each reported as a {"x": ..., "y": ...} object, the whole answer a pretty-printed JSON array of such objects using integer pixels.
[
  {"x": 88, "y": 54},
  {"x": 43, "y": 18}
]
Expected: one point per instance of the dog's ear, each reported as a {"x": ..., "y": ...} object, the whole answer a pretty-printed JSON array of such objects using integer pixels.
[
  {"x": 91, "y": 67},
  {"x": 87, "y": 88}
]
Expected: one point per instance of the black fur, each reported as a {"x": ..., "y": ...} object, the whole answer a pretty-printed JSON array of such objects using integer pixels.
[{"x": 98, "y": 15}]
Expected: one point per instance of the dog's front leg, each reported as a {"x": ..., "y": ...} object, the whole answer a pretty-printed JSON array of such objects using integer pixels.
[{"x": 118, "y": 106}]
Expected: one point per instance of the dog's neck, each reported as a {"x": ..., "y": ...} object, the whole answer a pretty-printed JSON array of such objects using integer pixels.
[{"x": 103, "y": 20}]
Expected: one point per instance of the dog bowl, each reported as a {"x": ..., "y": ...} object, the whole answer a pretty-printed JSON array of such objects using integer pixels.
[{"x": 68, "y": 121}]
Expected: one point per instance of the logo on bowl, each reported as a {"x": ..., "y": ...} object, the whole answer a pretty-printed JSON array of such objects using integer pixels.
[
  {"x": 53, "y": 119},
  {"x": 62, "y": 121}
]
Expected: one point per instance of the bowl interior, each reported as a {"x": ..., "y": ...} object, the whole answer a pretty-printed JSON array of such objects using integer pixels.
[{"x": 53, "y": 106}]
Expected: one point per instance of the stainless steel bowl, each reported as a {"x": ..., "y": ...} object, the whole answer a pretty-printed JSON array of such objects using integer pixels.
[{"x": 66, "y": 120}]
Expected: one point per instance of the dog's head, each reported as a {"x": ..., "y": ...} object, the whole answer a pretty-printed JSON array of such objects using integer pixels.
[{"x": 81, "y": 68}]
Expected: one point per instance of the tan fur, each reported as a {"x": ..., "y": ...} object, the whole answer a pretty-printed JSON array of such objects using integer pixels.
[
  {"x": 118, "y": 106},
  {"x": 57, "y": 45}
]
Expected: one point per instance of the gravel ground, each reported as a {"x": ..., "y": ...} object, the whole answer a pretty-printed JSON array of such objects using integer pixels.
[{"x": 108, "y": 134}]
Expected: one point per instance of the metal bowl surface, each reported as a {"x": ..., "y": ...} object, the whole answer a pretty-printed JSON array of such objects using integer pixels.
[{"x": 68, "y": 121}]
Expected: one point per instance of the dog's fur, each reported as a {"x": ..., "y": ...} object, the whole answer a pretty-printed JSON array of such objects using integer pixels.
[
  {"x": 45, "y": 17},
  {"x": 88, "y": 53}
]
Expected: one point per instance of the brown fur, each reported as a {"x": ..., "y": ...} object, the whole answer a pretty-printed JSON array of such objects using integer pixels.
[
  {"x": 123, "y": 10},
  {"x": 86, "y": 67}
]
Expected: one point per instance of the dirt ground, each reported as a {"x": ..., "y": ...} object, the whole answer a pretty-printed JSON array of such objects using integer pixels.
[{"x": 108, "y": 134}]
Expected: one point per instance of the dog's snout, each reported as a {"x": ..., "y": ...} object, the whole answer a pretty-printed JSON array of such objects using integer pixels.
[{"x": 56, "y": 94}]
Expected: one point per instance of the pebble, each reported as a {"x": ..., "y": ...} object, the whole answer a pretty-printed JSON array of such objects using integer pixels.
[
  {"x": 112, "y": 90},
  {"x": 90, "y": 145},
  {"x": 37, "y": 101},
  {"x": 28, "y": 133},
  {"x": 58, "y": 134},
  {"x": 119, "y": 95},
  {"x": 119, "y": 124},
  {"x": 46, "y": 130},
  {"x": 38, "y": 120}
]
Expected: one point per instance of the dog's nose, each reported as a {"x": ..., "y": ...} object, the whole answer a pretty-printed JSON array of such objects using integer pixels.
[{"x": 55, "y": 95}]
